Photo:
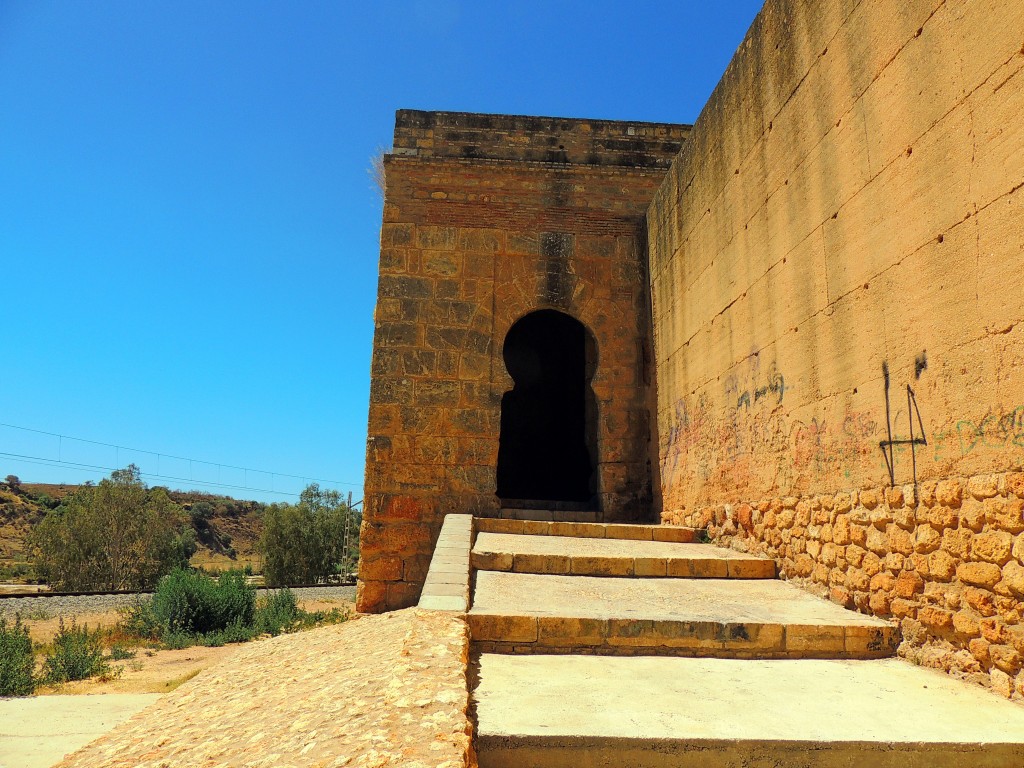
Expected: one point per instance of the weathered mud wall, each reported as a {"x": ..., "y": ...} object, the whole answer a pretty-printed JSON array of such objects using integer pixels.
[{"x": 836, "y": 258}]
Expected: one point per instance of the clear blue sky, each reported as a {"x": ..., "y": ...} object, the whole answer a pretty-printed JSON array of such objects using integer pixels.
[{"x": 188, "y": 233}]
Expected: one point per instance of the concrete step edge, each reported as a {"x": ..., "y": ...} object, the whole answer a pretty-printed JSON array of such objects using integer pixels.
[
  {"x": 591, "y": 530},
  {"x": 532, "y": 751},
  {"x": 505, "y": 633},
  {"x": 688, "y": 567}
]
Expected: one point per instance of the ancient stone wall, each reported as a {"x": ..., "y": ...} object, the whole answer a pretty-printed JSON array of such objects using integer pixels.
[
  {"x": 486, "y": 219},
  {"x": 835, "y": 265}
]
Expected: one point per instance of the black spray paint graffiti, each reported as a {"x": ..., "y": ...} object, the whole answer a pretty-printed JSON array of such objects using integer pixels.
[
  {"x": 776, "y": 386},
  {"x": 889, "y": 445}
]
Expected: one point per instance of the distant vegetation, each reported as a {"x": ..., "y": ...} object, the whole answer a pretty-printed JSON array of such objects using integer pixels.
[
  {"x": 121, "y": 534},
  {"x": 189, "y": 608},
  {"x": 115, "y": 535},
  {"x": 313, "y": 541}
]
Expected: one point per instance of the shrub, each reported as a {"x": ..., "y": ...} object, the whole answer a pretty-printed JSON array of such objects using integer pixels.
[
  {"x": 277, "y": 612},
  {"x": 17, "y": 662},
  {"x": 77, "y": 654},
  {"x": 201, "y": 512},
  {"x": 119, "y": 652},
  {"x": 189, "y": 602},
  {"x": 138, "y": 620},
  {"x": 176, "y": 641},
  {"x": 234, "y": 633}
]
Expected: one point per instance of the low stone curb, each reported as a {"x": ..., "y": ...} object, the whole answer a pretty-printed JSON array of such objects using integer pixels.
[{"x": 447, "y": 584}]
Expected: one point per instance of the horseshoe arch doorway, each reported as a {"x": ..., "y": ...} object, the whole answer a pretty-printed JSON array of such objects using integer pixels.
[{"x": 547, "y": 451}]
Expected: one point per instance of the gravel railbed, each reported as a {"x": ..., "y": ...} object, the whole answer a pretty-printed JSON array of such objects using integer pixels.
[{"x": 45, "y": 607}]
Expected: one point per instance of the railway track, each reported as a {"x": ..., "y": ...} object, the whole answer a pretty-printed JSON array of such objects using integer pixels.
[
  {"x": 35, "y": 605},
  {"x": 48, "y": 593}
]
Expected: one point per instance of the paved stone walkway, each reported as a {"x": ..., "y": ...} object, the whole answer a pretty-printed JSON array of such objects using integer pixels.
[
  {"x": 36, "y": 732},
  {"x": 387, "y": 690}
]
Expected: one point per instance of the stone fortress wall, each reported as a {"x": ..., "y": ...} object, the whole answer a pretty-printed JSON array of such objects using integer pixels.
[
  {"x": 486, "y": 219},
  {"x": 836, "y": 260}
]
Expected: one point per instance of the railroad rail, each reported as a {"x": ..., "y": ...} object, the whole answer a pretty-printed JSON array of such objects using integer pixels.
[{"x": 48, "y": 593}]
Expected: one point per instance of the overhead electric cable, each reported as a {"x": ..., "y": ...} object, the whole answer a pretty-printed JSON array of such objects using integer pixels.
[{"x": 60, "y": 461}]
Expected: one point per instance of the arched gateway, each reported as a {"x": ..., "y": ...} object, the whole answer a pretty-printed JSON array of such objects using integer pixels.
[{"x": 547, "y": 446}]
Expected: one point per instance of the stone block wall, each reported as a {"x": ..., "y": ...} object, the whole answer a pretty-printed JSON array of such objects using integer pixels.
[
  {"x": 472, "y": 241},
  {"x": 835, "y": 259},
  {"x": 943, "y": 559}
]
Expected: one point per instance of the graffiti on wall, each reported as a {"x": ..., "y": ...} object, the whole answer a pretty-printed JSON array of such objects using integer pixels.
[
  {"x": 998, "y": 430},
  {"x": 892, "y": 442},
  {"x": 751, "y": 443},
  {"x": 748, "y": 440}
]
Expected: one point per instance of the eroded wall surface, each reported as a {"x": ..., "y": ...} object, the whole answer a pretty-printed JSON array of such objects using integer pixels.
[
  {"x": 486, "y": 219},
  {"x": 836, "y": 259}
]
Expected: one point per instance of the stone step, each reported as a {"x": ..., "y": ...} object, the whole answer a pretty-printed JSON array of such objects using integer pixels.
[
  {"x": 763, "y": 618},
  {"x": 614, "y": 557},
  {"x": 651, "y": 712},
  {"x": 584, "y": 530},
  {"x": 545, "y": 515}
]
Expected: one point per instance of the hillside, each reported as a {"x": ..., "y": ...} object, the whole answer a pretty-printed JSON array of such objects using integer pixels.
[{"x": 227, "y": 539}]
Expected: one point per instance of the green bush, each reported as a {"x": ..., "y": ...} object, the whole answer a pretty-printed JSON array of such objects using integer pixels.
[
  {"x": 189, "y": 602},
  {"x": 119, "y": 652},
  {"x": 277, "y": 612},
  {"x": 138, "y": 620},
  {"x": 17, "y": 662},
  {"x": 235, "y": 633},
  {"x": 77, "y": 654},
  {"x": 190, "y": 608}
]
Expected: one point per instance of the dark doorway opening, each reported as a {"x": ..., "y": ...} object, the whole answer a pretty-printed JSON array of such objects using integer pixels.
[{"x": 548, "y": 448}]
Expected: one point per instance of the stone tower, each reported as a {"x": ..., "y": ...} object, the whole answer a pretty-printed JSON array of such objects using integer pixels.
[{"x": 511, "y": 355}]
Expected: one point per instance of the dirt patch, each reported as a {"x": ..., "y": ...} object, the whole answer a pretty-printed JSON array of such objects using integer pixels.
[
  {"x": 43, "y": 630},
  {"x": 151, "y": 671}
]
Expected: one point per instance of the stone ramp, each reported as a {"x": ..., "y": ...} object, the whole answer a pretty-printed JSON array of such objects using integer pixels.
[
  {"x": 656, "y": 712},
  {"x": 586, "y": 556},
  {"x": 532, "y": 613},
  {"x": 380, "y": 690}
]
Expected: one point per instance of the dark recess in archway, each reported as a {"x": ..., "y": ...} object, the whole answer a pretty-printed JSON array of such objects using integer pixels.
[{"x": 547, "y": 448}]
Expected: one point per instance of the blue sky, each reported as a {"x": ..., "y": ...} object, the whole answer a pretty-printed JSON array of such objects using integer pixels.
[{"x": 188, "y": 233}]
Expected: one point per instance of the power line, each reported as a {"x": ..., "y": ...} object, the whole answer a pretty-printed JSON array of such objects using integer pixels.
[
  {"x": 43, "y": 461},
  {"x": 59, "y": 461}
]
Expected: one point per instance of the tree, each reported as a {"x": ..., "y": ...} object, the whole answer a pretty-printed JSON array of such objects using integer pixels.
[
  {"x": 201, "y": 512},
  {"x": 310, "y": 541},
  {"x": 118, "y": 534},
  {"x": 13, "y": 482}
]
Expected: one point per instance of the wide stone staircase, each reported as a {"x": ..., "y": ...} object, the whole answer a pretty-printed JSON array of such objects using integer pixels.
[{"x": 630, "y": 645}]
